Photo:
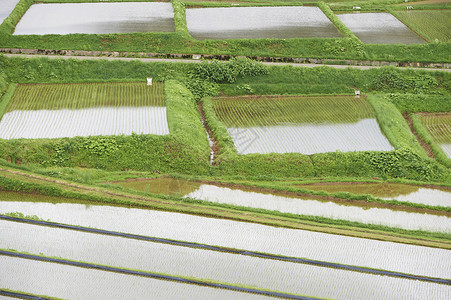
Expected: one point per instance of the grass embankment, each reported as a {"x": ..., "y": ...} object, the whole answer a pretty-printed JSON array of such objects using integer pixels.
[
  {"x": 181, "y": 42},
  {"x": 11, "y": 180}
]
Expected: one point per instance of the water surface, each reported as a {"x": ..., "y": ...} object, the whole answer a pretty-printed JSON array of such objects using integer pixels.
[
  {"x": 69, "y": 282},
  {"x": 6, "y": 7},
  {"x": 259, "y": 22},
  {"x": 447, "y": 149},
  {"x": 34, "y": 124},
  {"x": 120, "y": 17},
  {"x": 379, "y": 28},
  {"x": 255, "y": 237}
]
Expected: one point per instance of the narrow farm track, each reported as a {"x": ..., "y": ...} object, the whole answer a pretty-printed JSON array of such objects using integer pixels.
[
  {"x": 423, "y": 144},
  {"x": 20, "y": 295},
  {"x": 154, "y": 275},
  {"x": 224, "y": 213},
  {"x": 309, "y": 65},
  {"x": 231, "y": 250}
]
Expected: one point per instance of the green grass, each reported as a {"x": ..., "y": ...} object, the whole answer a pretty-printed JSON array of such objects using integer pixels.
[
  {"x": 439, "y": 126},
  {"x": 434, "y": 25},
  {"x": 85, "y": 95},
  {"x": 266, "y": 111}
]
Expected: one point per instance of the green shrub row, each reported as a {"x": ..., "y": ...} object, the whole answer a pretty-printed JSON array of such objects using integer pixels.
[
  {"x": 424, "y": 134},
  {"x": 9, "y": 23}
]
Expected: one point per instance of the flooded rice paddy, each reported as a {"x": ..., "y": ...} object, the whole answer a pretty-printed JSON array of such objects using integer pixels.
[
  {"x": 35, "y": 124},
  {"x": 254, "y": 237},
  {"x": 447, "y": 149},
  {"x": 388, "y": 191},
  {"x": 69, "y": 282},
  {"x": 6, "y": 7},
  {"x": 379, "y": 28},
  {"x": 376, "y": 216},
  {"x": 259, "y": 22},
  {"x": 121, "y": 17},
  {"x": 306, "y": 125},
  {"x": 182, "y": 261}
]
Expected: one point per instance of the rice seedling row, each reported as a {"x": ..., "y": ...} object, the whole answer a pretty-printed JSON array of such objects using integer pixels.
[
  {"x": 281, "y": 241},
  {"x": 431, "y": 24}
]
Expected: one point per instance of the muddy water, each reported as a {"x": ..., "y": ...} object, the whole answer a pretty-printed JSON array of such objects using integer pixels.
[
  {"x": 379, "y": 28},
  {"x": 166, "y": 186},
  {"x": 389, "y": 191},
  {"x": 298, "y": 243},
  {"x": 6, "y": 7},
  {"x": 125, "y": 17},
  {"x": 78, "y": 283},
  {"x": 259, "y": 22}
]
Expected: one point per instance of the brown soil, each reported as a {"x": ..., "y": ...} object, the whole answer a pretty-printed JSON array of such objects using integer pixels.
[
  {"x": 423, "y": 144},
  {"x": 215, "y": 146}
]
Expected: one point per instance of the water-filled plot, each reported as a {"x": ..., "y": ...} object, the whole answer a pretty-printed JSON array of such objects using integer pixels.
[
  {"x": 259, "y": 22},
  {"x": 379, "y": 28},
  {"x": 439, "y": 126},
  {"x": 120, "y": 17},
  {"x": 69, "y": 110},
  {"x": 305, "y": 205},
  {"x": 304, "y": 125},
  {"x": 388, "y": 191}
]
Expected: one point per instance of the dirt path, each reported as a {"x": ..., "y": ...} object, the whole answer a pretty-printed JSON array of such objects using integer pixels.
[
  {"x": 309, "y": 65},
  {"x": 423, "y": 144}
]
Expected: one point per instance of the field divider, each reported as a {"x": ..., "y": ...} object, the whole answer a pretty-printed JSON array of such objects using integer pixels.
[
  {"x": 159, "y": 276},
  {"x": 232, "y": 250},
  {"x": 22, "y": 295}
]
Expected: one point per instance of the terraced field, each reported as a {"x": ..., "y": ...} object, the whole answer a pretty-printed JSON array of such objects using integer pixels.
[
  {"x": 306, "y": 125},
  {"x": 431, "y": 24},
  {"x": 440, "y": 128},
  {"x": 68, "y": 110}
]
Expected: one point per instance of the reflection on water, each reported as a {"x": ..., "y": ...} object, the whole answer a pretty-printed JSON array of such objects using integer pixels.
[
  {"x": 388, "y": 191},
  {"x": 255, "y": 237},
  {"x": 379, "y": 28},
  {"x": 447, "y": 149},
  {"x": 166, "y": 186},
  {"x": 69, "y": 282},
  {"x": 378, "y": 216},
  {"x": 364, "y": 135},
  {"x": 125, "y": 17},
  {"x": 6, "y": 7},
  {"x": 259, "y": 22},
  {"x": 33, "y": 124}
]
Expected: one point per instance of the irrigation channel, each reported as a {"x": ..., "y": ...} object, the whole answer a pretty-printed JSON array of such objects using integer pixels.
[
  {"x": 373, "y": 254},
  {"x": 155, "y": 260}
]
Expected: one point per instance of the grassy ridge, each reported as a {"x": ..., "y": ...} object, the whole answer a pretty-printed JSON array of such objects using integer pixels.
[
  {"x": 6, "y": 98},
  {"x": 76, "y": 96},
  {"x": 410, "y": 103}
]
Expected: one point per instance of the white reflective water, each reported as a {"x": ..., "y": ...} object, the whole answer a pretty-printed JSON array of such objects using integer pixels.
[
  {"x": 426, "y": 196},
  {"x": 259, "y": 22},
  {"x": 35, "y": 124},
  {"x": 364, "y": 135},
  {"x": 379, "y": 28},
  {"x": 377, "y": 216},
  {"x": 224, "y": 267},
  {"x": 68, "y": 282},
  {"x": 6, "y": 7},
  {"x": 119, "y": 17},
  {"x": 447, "y": 149},
  {"x": 255, "y": 237}
]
